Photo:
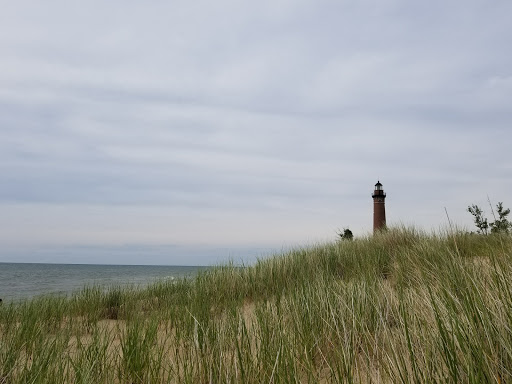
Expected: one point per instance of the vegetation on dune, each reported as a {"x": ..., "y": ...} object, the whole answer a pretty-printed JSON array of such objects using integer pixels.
[
  {"x": 346, "y": 234},
  {"x": 500, "y": 223},
  {"x": 400, "y": 306}
]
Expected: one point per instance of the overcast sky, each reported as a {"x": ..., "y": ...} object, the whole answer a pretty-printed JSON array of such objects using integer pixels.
[{"x": 188, "y": 132}]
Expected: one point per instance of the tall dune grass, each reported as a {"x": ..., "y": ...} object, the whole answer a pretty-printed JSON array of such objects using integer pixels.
[{"x": 400, "y": 306}]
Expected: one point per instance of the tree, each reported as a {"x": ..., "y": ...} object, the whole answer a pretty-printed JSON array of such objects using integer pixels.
[
  {"x": 346, "y": 234},
  {"x": 500, "y": 224},
  {"x": 480, "y": 221}
]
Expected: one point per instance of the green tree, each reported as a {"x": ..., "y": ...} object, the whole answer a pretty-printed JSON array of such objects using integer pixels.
[
  {"x": 500, "y": 224},
  {"x": 480, "y": 221},
  {"x": 346, "y": 234}
]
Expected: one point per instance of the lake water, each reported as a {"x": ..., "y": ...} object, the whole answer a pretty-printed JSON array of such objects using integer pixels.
[{"x": 21, "y": 281}]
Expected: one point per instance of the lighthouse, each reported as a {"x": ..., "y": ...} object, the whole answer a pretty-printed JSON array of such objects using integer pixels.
[{"x": 379, "y": 207}]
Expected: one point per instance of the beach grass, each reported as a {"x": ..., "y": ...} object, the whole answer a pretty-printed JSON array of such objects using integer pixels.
[{"x": 400, "y": 306}]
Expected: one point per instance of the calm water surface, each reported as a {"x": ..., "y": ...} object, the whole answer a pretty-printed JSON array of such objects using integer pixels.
[{"x": 21, "y": 281}]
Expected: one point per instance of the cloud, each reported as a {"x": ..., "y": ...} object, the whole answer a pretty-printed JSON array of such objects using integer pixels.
[{"x": 252, "y": 123}]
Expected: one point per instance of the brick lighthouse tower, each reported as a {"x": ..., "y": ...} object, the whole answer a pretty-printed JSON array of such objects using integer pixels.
[{"x": 379, "y": 207}]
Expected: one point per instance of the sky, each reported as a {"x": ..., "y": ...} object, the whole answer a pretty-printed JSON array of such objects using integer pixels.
[{"x": 193, "y": 132}]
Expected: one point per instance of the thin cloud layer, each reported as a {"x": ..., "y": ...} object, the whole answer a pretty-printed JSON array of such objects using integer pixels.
[{"x": 257, "y": 124}]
